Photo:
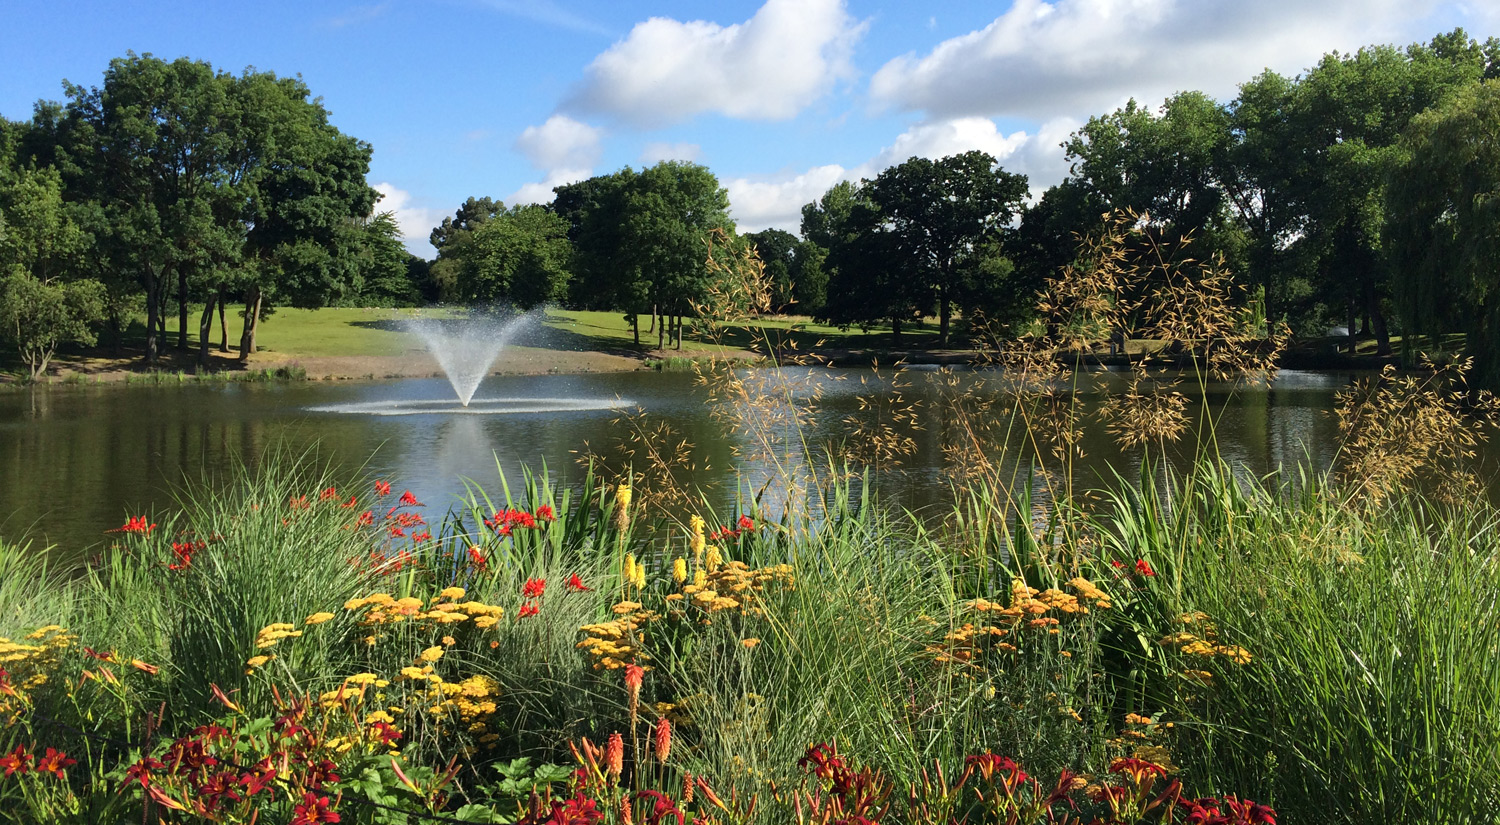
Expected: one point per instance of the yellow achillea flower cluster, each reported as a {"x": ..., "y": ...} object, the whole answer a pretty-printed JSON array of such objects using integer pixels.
[
  {"x": 997, "y": 626},
  {"x": 616, "y": 643},
  {"x": 1203, "y": 644},
  {"x": 272, "y": 634},
  {"x": 28, "y": 665}
]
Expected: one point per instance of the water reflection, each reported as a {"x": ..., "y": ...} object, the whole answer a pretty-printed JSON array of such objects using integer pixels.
[{"x": 75, "y": 461}]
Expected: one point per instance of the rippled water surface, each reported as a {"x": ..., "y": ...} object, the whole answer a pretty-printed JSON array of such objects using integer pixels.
[{"x": 74, "y": 461}]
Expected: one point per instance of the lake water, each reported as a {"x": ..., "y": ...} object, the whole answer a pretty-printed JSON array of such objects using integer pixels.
[{"x": 75, "y": 461}]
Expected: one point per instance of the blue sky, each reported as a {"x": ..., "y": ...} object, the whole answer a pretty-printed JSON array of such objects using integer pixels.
[{"x": 780, "y": 98}]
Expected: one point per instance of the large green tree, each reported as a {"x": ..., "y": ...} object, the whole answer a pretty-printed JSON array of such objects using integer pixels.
[
  {"x": 41, "y": 307},
  {"x": 1443, "y": 229},
  {"x": 520, "y": 256}
]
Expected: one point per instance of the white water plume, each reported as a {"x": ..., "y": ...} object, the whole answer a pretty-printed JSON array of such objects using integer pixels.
[{"x": 467, "y": 348}]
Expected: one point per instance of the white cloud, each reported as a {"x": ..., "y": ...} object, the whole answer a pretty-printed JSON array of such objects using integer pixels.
[
  {"x": 541, "y": 192},
  {"x": 1042, "y": 59},
  {"x": 416, "y": 222},
  {"x": 769, "y": 67},
  {"x": 776, "y": 201},
  {"x": 560, "y": 142},
  {"x": 657, "y": 151}
]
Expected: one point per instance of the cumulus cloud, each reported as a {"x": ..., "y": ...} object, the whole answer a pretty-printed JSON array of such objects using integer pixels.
[
  {"x": 560, "y": 142},
  {"x": 416, "y": 222},
  {"x": 776, "y": 201},
  {"x": 657, "y": 151},
  {"x": 541, "y": 192},
  {"x": 769, "y": 67},
  {"x": 1042, "y": 58}
]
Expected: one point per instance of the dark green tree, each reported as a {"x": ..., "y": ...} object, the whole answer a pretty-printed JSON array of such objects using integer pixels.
[{"x": 777, "y": 249}]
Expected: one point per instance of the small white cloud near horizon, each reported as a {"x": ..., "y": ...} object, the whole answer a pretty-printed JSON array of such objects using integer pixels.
[
  {"x": 541, "y": 191},
  {"x": 770, "y": 67},
  {"x": 415, "y": 222},
  {"x": 660, "y": 150},
  {"x": 561, "y": 142}
]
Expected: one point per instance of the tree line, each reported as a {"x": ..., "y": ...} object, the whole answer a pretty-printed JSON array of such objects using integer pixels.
[
  {"x": 174, "y": 186},
  {"x": 1359, "y": 193}
]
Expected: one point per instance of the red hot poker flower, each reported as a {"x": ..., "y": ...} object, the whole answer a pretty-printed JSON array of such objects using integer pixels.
[{"x": 533, "y": 588}]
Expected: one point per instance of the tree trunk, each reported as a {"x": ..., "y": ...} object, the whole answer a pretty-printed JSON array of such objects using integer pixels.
[
  {"x": 635, "y": 327},
  {"x": 153, "y": 311},
  {"x": 660, "y": 331},
  {"x": 945, "y": 315},
  {"x": 1377, "y": 320},
  {"x": 652, "y": 328},
  {"x": 679, "y": 332},
  {"x": 252, "y": 320},
  {"x": 223, "y": 324},
  {"x": 182, "y": 310},
  {"x": 895, "y": 332},
  {"x": 206, "y": 330},
  {"x": 1353, "y": 342}
]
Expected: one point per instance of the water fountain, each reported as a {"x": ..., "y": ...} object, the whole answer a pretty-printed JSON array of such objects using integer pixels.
[{"x": 466, "y": 349}]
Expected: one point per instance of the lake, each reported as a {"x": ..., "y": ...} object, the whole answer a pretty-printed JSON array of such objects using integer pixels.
[{"x": 76, "y": 460}]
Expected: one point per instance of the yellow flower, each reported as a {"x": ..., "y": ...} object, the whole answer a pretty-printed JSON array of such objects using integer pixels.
[
  {"x": 454, "y": 593},
  {"x": 485, "y": 621},
  {"x": 714, "y": 558},
  {"x": 627, "y": 574},
  {"x": 258, "y": 661},
  {"x": 640, "y": 576},
  {"x": 317, "y": 618},
  {"x": 432, "y": 654},
  {"x": 354, "y": 604},
  {"x": 448, "y": 641},
  {"x": 679, "y": 569},
  {"x": 700, "y": 578},
  {"x": 698, "y": 540},
  {"x": 622, "y": 496}
]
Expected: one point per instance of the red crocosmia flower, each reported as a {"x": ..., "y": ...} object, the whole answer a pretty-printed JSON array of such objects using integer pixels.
[
  {"x": 545, "y": 513},
  {"x": 409, "y": 500},
  {"x": 527, "y": 610},
  {"x": 422, "y": 536},
  {"x": 313, "y": 810},
  {"x": 746, "y": 523},
  {"x": 135, "y": 524},
  {"x": 17, "y": 761},
  {"x": 351, "y": 503},
  {"x": 367, "y": 518},
  {"x": 329, "y": 494},
  {"x": 477, "y": 559},
  {"x": 576, "y": 584},
  {"x": 382, "y": 488},
  {"x": 1144, "y": 568},
  {"x": 1117, "y": 564},
  {"x": 533, "y": 588},
  {"x": 297, "y": 503},
  {"x": 55, "y": 762},
  {"x": 396, "y": 532}
]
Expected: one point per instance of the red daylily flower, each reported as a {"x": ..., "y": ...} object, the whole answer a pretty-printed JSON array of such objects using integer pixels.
[
  {"x": 55, "y": 762},
  {"x": 313, "y": 810},
  {"x": 17, "y": 761}
]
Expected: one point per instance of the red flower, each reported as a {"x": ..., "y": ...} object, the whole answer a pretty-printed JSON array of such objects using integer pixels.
[
  {"x": 313, "y": 810},
  {"x": 614, "y": 754},
  {"x": 366, "y": 518},
  {"x": 297, "y": 502},
  {"x": 425, "y": 535},
  {"x": 533, "y": 588},
  {"x": 54, "y": 763},
  {"x": 328, "y": 494},
  {"x": 1136, "y": 769},
  {"x": 746, "y": 523},
  {"x": 17, "y": 761},
  {"x": 1144, "y": 568},
  {"x": 527, "y": 610},
  {"x": 477, "y": 559},
  {"x": 258, "y": 778},
  {"x": 382, "y": 488},
  {"x": 141, "y": 771},
  {"x": 1117, "y": 564},
  {"x": 385, "y": 732},
  {"x": 135, "y": 524},
  {"x": 576, "y": 584},
  {"x": 409, "y": 500},
  {"x": 396, "y": 532},
  {"x": 545, "y": 513},
  {"x": 351, "y": 503}
]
